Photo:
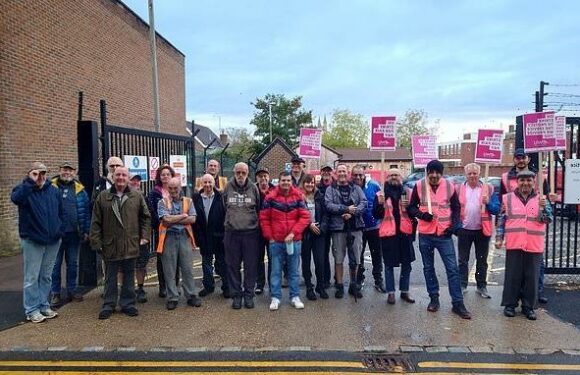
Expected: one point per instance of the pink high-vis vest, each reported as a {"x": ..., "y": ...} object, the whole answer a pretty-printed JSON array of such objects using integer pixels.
[
  {"x": 523, "y": 228},
  {"x": 440, "y": 205},
  {"x": 388, "y": 224},
  {"x": 485, "y": 215}
]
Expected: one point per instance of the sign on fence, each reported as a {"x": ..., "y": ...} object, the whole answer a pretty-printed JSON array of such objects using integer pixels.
[
  {"x": 136, "y": 164},
  {"x": 424, "y": 150},
  {"x": 383, "y": 133},
  {"x": 153, "y": 167},
  {"x": 179, "y": 165}
]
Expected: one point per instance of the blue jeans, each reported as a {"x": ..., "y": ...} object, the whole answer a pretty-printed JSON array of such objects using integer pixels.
[
  {"x": 69, "y": 250},
  {"x": 38, "y": 264},
  {"x": 427, "y": 246},
  {"x": 403, "y": 281},
  {"x": 277, "y": 255}
]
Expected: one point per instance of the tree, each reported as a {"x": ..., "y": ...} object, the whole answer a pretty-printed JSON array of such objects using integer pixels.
[
  {"x": 241, "y": 144},
  {"x": 346, "y": 129},
  {"x": 288, "y": 117},
  {"x": 415, "y": 122}
]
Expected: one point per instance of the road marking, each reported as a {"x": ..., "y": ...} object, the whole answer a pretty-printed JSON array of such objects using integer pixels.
[
  {"x": 341, "y": 364},
  {"x": 502, "y": 366},
  {"x": 42, "y": 372}
]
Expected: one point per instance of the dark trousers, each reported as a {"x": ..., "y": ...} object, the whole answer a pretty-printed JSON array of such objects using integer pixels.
[
  {"x": 465, "y": 239},
  {"x": 262, "y": 252},
  {"x": 241, "y": 247},
  {"x": 208, "y": 264},
  {"x": 372, "y": 238},
  {"x": 522, "y": 270},
  {"x": 127, "y": 267},
  {"x": 326, "y": 254},
  {"x": 313, "y": 249}
]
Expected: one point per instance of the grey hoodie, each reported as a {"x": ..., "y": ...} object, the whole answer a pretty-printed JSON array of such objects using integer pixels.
[{"x": 242, "y": 204}]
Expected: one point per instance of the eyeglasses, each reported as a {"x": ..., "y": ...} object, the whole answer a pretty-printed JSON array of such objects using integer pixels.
[
  {"x": 358, "y": 174},
  {"x": 115, "y": 165}
]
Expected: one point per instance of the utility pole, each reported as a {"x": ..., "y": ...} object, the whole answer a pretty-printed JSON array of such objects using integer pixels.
[
  {"x": 154, "y": 67},
  {"x": 270, "y": 110},
  {"x": 541, "y": 95}
]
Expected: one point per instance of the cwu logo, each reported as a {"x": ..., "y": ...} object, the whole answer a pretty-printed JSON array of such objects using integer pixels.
[{"x": 136, "y": 162}]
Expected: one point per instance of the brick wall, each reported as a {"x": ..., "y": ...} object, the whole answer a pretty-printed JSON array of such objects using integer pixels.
[
  {"x": 275, "y": 160},
  {"x": 51, "y": 50}
]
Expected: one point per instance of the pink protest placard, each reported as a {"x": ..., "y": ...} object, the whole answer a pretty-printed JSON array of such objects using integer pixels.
[
  {"x": 310, "y": 143},
  {"x": 489, "y": 145},
  {"x": 383, "y": 133},
  {"x": 560, "y": 132},
  {"x": 539, "y": 132},
  {"x": 424, "y": 149}
]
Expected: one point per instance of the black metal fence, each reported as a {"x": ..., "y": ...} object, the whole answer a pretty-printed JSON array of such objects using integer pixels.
[{"x": 562, "y": 255}]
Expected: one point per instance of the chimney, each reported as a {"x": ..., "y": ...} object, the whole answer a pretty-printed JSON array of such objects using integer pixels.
[
  {"x": 223, "y": 139},
  {"x": 466, "y": 136},
  {"x": 511, "y": 129}
]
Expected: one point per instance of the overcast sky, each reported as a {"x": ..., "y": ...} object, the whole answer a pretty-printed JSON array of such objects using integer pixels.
[{"x": 469, "y": 64}]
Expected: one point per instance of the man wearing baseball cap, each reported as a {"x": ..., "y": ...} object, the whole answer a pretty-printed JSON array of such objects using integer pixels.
[
  {"x": 297, "y": 171},
  {"x": 40, "y": 226},
  {"x": 75, "y": 203},
  {"x": 265, "y": 187}
]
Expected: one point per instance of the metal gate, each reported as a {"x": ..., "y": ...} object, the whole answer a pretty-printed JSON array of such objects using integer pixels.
[{"x": 562, "y": 255}]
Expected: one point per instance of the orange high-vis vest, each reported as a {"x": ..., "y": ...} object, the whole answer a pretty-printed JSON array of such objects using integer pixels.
[
  {"x": 485, "y": 215},
  {"x": 440, "y": 205},
  {"x": 388, "y": 224},
  {"x": 524, "y": 229},
  {"x": 186, "y": 202}
]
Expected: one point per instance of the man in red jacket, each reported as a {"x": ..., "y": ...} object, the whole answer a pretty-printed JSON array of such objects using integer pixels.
[{"x": 283, "y": 218}]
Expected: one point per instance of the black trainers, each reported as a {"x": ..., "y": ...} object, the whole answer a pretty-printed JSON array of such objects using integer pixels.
[
  {"x": 510, "y": 312},
  {"x": 205, "y": 292},
  {"x": 237, "y": 303},
  {"x": 310, "y": 295},
  {"x": 259, "y": 290},
  {"x": 322, "y": 293},
  {"x": 434, "y": 303},
  {"x": 130, "y": 311},
  {"x": 141, "y": 296},
  {"x": 194, "y": 301},
  {"x": 226, "y": 293},
  {"x": 171, "y": 305},
  {"x": 459, "y": 309},
  {"x": 105, "y": 314},
  {"x": 354, "y": 290},
  {"x": 249, "y": 302},
  {"x": 339, "y": 291}
]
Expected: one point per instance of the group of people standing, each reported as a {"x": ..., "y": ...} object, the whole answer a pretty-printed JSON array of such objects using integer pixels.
[{"x": 236, "y": 224}]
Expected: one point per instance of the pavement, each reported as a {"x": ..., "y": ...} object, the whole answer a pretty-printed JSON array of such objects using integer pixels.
[{"x": 324, "y": 325}]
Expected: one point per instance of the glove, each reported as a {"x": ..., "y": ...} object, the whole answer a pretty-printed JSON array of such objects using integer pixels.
[
  {"x": 448, "y": 232},
  {"x": 427, "y": 217}
]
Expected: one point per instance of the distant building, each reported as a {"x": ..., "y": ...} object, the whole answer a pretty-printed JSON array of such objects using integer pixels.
[{"x": 400, "y": 158}]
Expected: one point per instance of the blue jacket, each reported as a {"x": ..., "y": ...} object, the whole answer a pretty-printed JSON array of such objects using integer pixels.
[
  {"x": 370, "y": 189},
  {"x": 82, "y": 205},
  {"x": 40, "y": 213}
]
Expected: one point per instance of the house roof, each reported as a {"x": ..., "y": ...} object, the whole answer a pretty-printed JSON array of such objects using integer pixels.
[
  {"x": 276, "y": 141},
  {"x": 205, "y": 136},
  {"x": 364, "y": 154}
]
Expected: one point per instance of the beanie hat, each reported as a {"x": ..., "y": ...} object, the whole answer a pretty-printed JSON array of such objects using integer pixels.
[{"x": 435, "y": 166}]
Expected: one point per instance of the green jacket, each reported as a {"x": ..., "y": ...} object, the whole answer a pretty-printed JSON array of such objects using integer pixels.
[{"x": 115, "y": 233}]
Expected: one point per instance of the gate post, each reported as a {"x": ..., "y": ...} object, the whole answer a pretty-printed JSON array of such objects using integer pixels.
[{"x": 88, "y": 170}]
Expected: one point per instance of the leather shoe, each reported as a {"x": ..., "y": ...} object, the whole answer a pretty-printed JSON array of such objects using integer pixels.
[
  {"x": 226, "y": 293},
  {"x": 130, "y": 311},
  {"x": 249, "y": 302},
  {"x": 391, "y": 299},
  {"x": 323, "y": 294},
  {"x": 433, "y": 304},
  {"x": 543, "y": 299},
  {"x": 194, "y": 301},
  {"x": 510, "y": 312},
  {"x": 310, "y": 294},
  {"x": 205, "y": 292},
  {"x": 105, "y": 314},
  {"x": 407, "y": 297},
  {"x": 460, "y": 310},
  {"x": 237, "y": 303},
  {"x": 530, "y": 314},
  {"x": 171, "y": 305}
]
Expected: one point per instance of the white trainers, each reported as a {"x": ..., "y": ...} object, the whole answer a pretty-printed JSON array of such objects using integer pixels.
[
  {"x": 36, "y": 317},
  {"x": 275, "y": 304},
  {"x": 297, "y": 303},
  {"x": 49, "y": 313}
]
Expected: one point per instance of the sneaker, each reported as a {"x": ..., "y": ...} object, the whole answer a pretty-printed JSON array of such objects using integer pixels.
[
  {"x": 237, "y": 303},
  {"x": 36, "y": 317},
  {"x": 530, "y": 314},
  {"x": 323, "y": 294},
  {"x": 460, "y": 310},
  {"x": 105, "y": 314},
  {"x": 275, "y": 304},
  {"x": 310, "y": 294},
  {"x": 130, "y": 311},
  {"x": 259, "y": 290},
  {"x": 141, "y": 296},
  {"x": 433, "y": 304},
  {"x": 510, "y": 312},
  {"x": 339, "y": 291},
  {"x": 205, "y": 292},
  {"x": 171, "y": 305},
  {"x": 49, "y": 313},
  {"x": 354, "y": 290},
  {"x": 380, "y": 288},
  {"x": 249, "y": 302},
  {"x": 297, "y": 303},
  {"x": 56, "y": 301},
  {"x": 194, "y": 301},
  {"x": 483, "y": 292}
]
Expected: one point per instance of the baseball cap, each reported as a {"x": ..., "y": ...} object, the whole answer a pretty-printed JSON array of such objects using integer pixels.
[
  {"x": 135, "y": 176},
  {"x": 262, "y": 170},
  {"x": 519, "y": 152},
  {"x": 67, "y": 164},
  {"x": 297, "y": 159},
  {"x": 327, "y": 166},
  {"x": 38, "y": 166}
]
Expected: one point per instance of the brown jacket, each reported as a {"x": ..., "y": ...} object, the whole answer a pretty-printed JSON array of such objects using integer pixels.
[{"x": 115, "y": 233}]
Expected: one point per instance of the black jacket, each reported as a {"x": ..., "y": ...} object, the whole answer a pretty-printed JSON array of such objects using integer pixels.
[{"x": 209, "y": 231}]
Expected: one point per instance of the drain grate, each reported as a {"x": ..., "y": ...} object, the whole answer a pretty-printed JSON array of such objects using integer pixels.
[{"x": 385, "y": 362}]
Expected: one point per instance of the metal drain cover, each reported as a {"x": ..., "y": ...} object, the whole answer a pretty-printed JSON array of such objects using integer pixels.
[{"x": 387, "y": 362}]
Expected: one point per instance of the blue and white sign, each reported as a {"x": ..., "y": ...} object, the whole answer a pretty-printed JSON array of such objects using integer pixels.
[{"x": 136, "y": 165}]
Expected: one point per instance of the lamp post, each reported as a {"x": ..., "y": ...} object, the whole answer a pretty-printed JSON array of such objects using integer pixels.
[{"x": 270, "y": 104}]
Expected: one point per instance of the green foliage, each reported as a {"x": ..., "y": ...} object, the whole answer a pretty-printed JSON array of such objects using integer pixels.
[
  {"x": 288, "y": 117},
  {"x": 346, "y": 129},
  {"x": 415, "y": 122},
  {"x": 241, "y": 144}
]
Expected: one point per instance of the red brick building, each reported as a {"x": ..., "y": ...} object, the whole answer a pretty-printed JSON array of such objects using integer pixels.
[{"x": 51, "y": 50}]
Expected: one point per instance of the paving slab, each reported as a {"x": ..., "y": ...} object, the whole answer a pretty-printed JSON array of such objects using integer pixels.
[{"x": 323, "y": 325}]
